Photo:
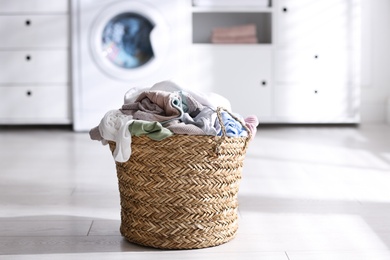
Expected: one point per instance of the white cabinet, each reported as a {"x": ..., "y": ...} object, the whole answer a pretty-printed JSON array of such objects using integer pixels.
[
  {"x": 304, "y": 68},
  {"x": 314, "y": 64},
  {"x": 34, "y": 62}
]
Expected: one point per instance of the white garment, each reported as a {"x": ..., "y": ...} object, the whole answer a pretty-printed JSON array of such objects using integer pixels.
[
  {"x": 114, "y": 126},
  {"x": 132, "y": 94}
]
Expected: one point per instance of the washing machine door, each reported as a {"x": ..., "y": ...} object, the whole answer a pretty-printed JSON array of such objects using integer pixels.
[{"x": 130, "y": 40}]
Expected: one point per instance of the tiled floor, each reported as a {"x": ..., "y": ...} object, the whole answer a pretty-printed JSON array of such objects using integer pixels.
[{"x": 307, "y": 193}]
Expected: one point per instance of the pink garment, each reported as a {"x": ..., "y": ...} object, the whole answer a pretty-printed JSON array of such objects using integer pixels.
[
  {"x": 243, "y": 39},
  {"x": 252, "y": 122},
  {"x": 235, "y": 31}
]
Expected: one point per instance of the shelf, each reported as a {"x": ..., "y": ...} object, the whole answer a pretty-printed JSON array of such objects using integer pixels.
[
  {"x": 204, "y": 22},
  {"x": 236, "y": 9},
  {"x": 213, "y": 46},
  {"x": 232, "y": 5}
]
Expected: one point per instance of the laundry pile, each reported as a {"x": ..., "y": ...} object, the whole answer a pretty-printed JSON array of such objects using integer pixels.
[
  {"x": 166, "y": 109},
  {"x": 235, "y": 34}
]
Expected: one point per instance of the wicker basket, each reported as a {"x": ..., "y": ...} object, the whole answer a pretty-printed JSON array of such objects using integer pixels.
[{"x": 181, "y": 192}]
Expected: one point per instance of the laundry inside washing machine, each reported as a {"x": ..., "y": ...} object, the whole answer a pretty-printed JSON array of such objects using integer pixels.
[{"x": 126, "y": 40}]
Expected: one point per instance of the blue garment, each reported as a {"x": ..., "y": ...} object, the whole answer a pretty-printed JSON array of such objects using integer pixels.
[{"x": 233, "y": 127}]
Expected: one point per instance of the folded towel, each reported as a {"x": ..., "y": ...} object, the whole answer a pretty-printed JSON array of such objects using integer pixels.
[
  {"x": 235, "y": 31},
  {"x": 237, "y": 40}
]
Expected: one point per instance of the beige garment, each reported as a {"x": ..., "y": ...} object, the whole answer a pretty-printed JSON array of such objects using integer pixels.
[
  {"x": 181, "y": 128},
  {"x": 154, "y": 106}
]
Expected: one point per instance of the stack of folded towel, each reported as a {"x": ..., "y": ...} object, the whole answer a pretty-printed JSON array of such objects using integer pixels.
[{"x": 236, "y": 34}]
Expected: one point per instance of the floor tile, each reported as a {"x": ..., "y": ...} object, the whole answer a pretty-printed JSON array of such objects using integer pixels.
[
  {"x": 28, "y": 228},
  {"x": 355, "y": 255}
]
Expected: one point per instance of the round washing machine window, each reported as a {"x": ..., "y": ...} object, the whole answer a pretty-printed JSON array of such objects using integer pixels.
[
  {"x": 130, "y": 41},
  {"x": 126, "y": 40}
]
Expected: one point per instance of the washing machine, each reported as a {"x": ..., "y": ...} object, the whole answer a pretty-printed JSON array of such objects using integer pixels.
[{"x": 119, "y": 45}]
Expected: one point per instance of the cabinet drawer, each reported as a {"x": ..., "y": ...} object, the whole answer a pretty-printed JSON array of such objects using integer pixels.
[
  {"x": 34, "y": 104},
  {"x": 242, "y": 74},
  {"x": 313, "y": 103},
  {"x": 313, "y": 66},
  {"x": 21, "y": 67},
  {"x": 34, "y": 31},
  {"x": 33, "y": 6},
  {"x": 306, "y": 22}
]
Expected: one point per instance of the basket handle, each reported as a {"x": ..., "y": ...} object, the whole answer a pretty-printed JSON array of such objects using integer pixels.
[{"x": 224, "y": 136}]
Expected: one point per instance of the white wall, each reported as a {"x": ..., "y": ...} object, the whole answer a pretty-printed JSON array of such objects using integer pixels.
[{"x": 375, "y": 89}]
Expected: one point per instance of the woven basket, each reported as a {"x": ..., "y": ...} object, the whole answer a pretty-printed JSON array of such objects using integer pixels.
[{"x": 181, "y": 192}]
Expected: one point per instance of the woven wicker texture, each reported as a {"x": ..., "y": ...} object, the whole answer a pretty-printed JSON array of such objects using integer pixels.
[{"x": 181, "y": 192}]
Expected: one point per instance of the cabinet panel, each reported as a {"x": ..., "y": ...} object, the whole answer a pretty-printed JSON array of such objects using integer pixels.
[
  {"x": 303, "y": 23},
  {"x": 31, "y": 66},
  {"x": 319, "y": 103},
  {"x": 33, "y": 6},
  {"x": 25, "y": 104},
  {"x": 34, "y": 31},
  {"x": 242, "y": 74},
  {"x": 313, "y": 65}
]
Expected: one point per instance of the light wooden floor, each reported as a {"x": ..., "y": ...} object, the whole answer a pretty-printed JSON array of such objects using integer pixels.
[{"x": 307, "y": 193}]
